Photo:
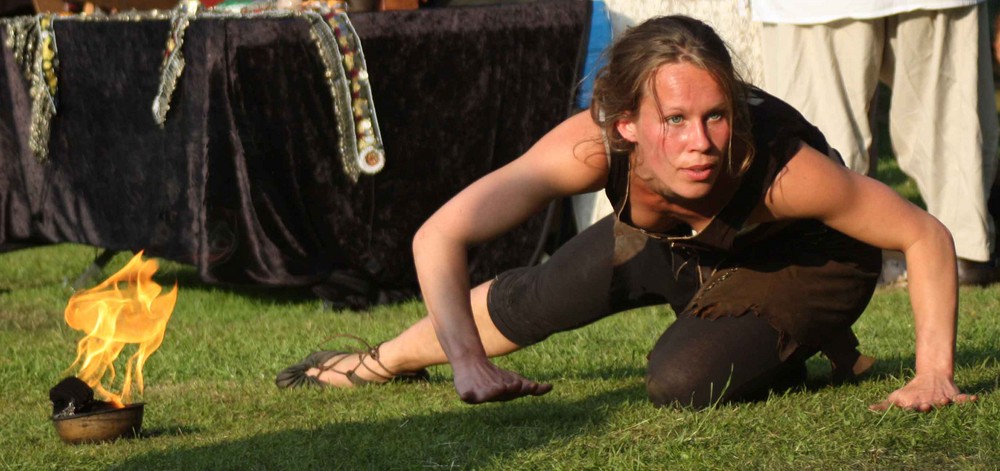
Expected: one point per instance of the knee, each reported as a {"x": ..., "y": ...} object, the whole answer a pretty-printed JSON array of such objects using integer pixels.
[{"x": 681, "y": 387}]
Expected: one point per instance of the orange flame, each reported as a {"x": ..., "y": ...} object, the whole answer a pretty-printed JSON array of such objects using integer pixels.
[{"x": 125, "y": 308}]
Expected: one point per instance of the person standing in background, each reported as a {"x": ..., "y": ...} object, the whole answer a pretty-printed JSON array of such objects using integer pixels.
[{"x": 826, "y": 58}]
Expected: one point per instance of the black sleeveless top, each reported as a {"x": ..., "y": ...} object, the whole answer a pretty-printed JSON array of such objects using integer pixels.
[{"x": 777, "y": 129}]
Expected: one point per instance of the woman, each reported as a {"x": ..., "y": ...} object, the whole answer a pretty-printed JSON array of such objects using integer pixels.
[{"x": 729, "y": 207}]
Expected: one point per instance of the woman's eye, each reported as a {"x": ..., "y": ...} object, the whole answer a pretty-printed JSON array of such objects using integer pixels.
[
  {"x": 675, "y": 119},
  {"x": 715, "y": 117}
]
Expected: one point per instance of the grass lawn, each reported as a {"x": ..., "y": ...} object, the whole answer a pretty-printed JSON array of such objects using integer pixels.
[{"x": 211, "y": 402}]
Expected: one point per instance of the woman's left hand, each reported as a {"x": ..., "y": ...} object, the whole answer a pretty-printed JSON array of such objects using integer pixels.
[{"x": 925, "y": 393}]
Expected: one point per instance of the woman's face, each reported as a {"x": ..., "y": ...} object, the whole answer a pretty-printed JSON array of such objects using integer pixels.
[{"x": 681, "y": 132}]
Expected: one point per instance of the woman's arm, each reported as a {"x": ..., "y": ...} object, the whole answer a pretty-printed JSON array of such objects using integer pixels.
[
  {"x": 813, "y": 186},
  {"x": 568, "y": 160}
]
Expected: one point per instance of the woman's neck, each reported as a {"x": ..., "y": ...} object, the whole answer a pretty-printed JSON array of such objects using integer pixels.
[{"x": 653, "y": 211}]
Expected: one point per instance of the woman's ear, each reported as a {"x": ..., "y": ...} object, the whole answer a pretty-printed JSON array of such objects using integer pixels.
[{"x": 626, "y": 128}]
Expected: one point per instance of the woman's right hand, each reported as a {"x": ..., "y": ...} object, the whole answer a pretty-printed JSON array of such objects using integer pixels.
[
  {"x": 568, "y": 160},
  {"x": 482, "y": 381}
]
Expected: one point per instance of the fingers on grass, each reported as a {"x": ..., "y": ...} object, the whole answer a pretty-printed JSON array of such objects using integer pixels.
[
  {"x": 964, "y": 398},
  {"x": 515, "y": 392},
  {"x": 924, "y": 406},
  {"x": 526, "y": 388},
  {"x": 880, "y": 407},
  {"x": 542, "y": 388},
  {"x": 531, "y": 388}
]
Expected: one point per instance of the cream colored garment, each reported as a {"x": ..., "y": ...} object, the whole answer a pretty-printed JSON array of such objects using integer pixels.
[
  {"x": 729, "y": 18},
  {"x": 805, "y": 12},
  {"x": 943, "y": 122}
]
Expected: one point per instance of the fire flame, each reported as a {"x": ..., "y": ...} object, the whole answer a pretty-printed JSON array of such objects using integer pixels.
[{"x": 125, "y": 308}]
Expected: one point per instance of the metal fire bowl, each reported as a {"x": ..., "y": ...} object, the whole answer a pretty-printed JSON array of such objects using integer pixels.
[{"x": 101, "y": 425}]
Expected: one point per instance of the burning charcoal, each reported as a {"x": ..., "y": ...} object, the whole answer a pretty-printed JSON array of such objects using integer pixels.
[
  {"x": 71, "y": 396},
  {"x": 126, "y": 308}
]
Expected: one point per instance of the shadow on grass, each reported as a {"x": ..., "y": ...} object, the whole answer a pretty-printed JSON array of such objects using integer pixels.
[
  {"x": 189, "y": 280},
  {"x": 169, "y": 431},
  {"x": 885, "y": 368},
  {"x": 469, "y": 437},
  {"x": 619, "y": 372},
  {"x": 891, "y": 367}
]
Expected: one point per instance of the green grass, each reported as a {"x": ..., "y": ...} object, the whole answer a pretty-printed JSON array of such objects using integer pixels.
[
  {"x": 211, "y": 403},
  {"x": 889, "y": 173}
]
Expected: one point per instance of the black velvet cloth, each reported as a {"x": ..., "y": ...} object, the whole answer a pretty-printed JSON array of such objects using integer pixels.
[{"x": 244, "y": 180}]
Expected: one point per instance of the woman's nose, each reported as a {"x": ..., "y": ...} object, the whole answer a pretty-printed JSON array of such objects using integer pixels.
[{"x": 698, "y": 136}]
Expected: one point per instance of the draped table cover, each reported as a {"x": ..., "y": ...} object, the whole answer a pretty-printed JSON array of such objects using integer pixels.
[{"x": 243, "y": 180}]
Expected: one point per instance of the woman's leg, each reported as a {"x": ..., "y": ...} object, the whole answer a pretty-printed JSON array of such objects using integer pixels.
[
  {"x": 698, "y": 362},
  {"x": 417, "y": 347},
  {"x": 607, "y": 268},
  {"x": 759, "y": 318}
]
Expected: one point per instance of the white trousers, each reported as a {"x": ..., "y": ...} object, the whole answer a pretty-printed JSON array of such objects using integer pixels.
[{"x": 942, "y": 118}]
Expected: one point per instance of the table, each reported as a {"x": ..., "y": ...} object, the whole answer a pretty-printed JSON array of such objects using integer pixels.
[{"x": 243, "y": 180}]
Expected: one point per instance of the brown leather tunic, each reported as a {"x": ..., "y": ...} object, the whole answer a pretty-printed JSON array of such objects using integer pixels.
[{"x": 808, "y": 280}]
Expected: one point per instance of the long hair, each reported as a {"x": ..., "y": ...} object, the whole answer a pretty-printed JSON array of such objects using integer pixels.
[{"x": 632, "y": 62}]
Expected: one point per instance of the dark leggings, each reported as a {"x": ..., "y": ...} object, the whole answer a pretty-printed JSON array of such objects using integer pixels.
[
  {"x": 610, "y": 268},
  {"x": 699, "y": 361}
]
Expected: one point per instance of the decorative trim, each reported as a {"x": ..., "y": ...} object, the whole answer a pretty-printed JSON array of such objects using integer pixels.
[
  {"x": 371, "y": 155},
  {"x": 336, "y": 80},
  {"x": 173, "y": 60},
  {"x": 33, "y": 42}
]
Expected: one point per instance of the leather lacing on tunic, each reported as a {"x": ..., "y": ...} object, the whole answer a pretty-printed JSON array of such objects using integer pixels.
[{"x": 727, "y": 244}]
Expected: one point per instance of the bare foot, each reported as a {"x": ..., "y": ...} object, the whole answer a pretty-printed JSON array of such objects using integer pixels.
[{"x": 862, "y": 365}]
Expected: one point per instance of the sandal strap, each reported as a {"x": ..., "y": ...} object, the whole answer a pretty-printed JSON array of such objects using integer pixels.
[
  {"x": 373, "y": 353},
  {"x": 332, "y": 367},
  {"x": 369, "y": 352},
  {"x": 351, "y": 375},
  {"x": 356, "y": 380}
]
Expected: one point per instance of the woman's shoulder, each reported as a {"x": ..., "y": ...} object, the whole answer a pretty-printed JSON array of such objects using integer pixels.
[
  {"x": 769, "y": 114},
  {"x": 778, "y": 128}
]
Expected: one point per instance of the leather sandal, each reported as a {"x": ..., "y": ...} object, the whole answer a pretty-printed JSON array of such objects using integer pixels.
[{"x": 327, "y": 360}]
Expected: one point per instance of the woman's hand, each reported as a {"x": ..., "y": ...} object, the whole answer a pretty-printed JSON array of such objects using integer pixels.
[
  {"x": 925, "y": 393},
  {"x": 813, "y": 187},
  {"x": 482, "y": 381}
]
